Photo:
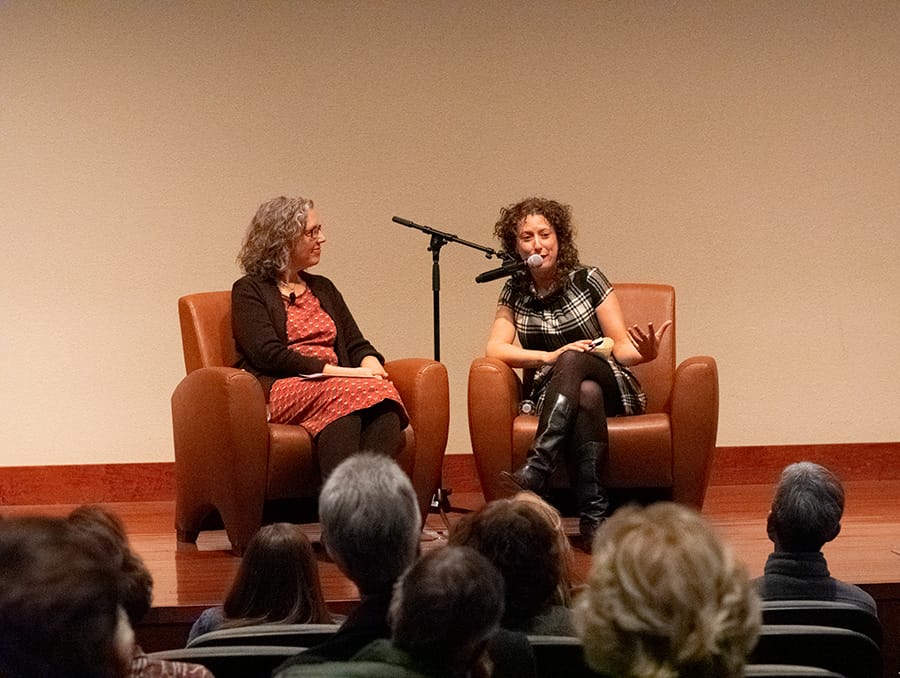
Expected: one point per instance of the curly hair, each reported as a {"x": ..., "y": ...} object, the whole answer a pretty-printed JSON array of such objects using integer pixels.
[
  {"x": 665, "y": 598},
  {"x": 559, "y": 216},
  {"x": 267, "y": 245},
  {"x": 517, "y": 538},
  {"x": 106, "y": 530}
]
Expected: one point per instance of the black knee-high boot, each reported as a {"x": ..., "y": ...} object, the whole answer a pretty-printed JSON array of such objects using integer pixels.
[
  {"x": 548, "y": 444},
  {"x": 593, "y": 503}
]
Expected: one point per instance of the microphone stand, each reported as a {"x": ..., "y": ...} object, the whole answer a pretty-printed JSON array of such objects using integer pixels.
[{"x": 437, "y": 241}]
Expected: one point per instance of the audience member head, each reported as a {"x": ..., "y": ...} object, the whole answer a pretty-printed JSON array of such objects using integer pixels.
[
  {"x": 106, "y": 530},
  {"x": 665, "y": 598},
  {"x": 277, "y": 581},
  {"x": 554, "y": 518},
  {"x": 370, "y": 521},
  {"x": 446, "y": 608},
  {"x": 266, "y": 250},
  {"x": 517, "y": 538},
  {"x": 807, "y": 508},
  {"x": 59, "y": 608}
]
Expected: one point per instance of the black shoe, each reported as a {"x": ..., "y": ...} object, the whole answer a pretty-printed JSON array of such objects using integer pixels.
[
  {"x": 555, "y": 421},
  {"x": 526, "y": 478}
]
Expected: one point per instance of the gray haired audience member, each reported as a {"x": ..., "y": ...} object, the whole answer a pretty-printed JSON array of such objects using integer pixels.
[
  {"x": 665, "y": 598},
  {"x": 444, "y": 611},
  {"x": 806, "y": 514},
  {"x": 60, "y": 615},
  {"x": 370, "y": 528}
]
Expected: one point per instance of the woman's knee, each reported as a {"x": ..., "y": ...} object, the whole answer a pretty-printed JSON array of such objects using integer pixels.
[
  {"x": 574, "y": 363},
  {"x": 590, "y": 396}
]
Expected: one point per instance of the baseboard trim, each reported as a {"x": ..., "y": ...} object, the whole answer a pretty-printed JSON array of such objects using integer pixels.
[
  {"x": 762, "y": 464},
  {"x": 155, "y": 481},
  {"x": 87, "y": 483}
]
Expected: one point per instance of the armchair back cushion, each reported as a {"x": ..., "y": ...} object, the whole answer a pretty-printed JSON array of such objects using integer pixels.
[{"x": 206, "y": 330}]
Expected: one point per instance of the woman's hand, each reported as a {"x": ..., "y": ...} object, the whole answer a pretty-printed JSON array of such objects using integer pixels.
[
  {"x": 374, "y": 367},
  {"x": 361, "y": 371},
  {"x": 582, "y": 346},
  {"x": 647, "y": 343}
]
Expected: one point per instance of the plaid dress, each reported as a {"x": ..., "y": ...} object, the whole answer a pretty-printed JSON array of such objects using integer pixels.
[{"x": 567, "y": 315}]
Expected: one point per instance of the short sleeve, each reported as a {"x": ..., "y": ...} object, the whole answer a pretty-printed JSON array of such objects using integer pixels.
[
  {"x": 598, "y": 284},
  {"x": 506, "y": 295}
]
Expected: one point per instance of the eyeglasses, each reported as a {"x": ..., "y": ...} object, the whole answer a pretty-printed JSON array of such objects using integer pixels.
[{"x": 314, "y": 232}]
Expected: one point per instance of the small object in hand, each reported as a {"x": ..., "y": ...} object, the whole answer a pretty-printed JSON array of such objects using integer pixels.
[{"x": 603, "y": 346}]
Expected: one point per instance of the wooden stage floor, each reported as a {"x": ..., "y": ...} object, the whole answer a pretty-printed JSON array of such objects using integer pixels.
[{"x": 191, "y": 578}]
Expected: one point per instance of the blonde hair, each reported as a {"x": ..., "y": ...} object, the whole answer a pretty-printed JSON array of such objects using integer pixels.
[{"x": 665, "y": 598}]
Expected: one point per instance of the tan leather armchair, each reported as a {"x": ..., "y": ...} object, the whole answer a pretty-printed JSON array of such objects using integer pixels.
[
  {"x": 228, "y": 458},
  {"x": 670, "y": 446}
]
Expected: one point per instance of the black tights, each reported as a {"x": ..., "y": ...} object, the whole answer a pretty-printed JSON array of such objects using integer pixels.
[
  {"x": 374, "y": 429},
  {"x": 588, "y": 381}
]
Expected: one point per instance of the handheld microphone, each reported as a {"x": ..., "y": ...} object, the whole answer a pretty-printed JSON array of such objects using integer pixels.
[{"x": 533, "y": 261}]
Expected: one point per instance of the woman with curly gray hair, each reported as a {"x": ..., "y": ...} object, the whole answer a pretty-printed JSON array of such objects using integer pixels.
[
  {"x": 665, "y": 598},
  {"x": 294, "y": 331}
]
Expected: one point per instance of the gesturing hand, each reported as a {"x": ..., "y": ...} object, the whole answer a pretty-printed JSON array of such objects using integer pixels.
[{"x": 647, "y": 343}]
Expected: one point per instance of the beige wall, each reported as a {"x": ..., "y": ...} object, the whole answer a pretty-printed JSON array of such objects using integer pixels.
[{"x": 746, "y": 152}]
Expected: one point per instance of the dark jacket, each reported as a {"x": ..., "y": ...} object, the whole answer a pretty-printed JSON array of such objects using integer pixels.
[
  {"x": 258, "y": 322},
  {"x": 510, "y": 651},
  {"x": 379, "y": 659},
  {"x": 805, "y": 576}
]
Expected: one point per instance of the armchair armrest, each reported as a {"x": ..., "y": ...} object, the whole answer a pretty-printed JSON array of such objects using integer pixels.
[
  {"x": 219, "y": 425},
  {"x": 424, "y": 387},
  {"x": 494, "y": 394},
  {"x": 695, "y": 424}
]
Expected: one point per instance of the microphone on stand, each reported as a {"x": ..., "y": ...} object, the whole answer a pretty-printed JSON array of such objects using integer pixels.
[{"x": 533, "y": 261}]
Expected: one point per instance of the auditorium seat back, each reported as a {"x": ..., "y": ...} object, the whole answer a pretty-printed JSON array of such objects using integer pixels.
[
  {"x": 787, "y": 671},
  {"x": 846, "y": 652},
  {"x": 237, "y": 661},
  {"x": 302, "y": 635},
  {"x": 823, "y": 613},
  {"x": 560, "y": 656}
]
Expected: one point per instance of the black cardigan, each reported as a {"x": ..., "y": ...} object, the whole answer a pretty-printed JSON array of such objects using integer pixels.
[{"x": 258, "y": 322}]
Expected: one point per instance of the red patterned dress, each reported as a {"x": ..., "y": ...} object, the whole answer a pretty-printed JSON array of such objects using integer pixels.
[{"x": 314, "y": 403}]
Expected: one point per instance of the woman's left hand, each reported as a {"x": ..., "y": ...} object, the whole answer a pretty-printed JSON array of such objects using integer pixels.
[
  {"x": 371, "y": 363},
  {"x": 647, "y": 343}
]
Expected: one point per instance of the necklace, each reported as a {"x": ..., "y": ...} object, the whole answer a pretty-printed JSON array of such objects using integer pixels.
[{"x": 292, "y": 288}]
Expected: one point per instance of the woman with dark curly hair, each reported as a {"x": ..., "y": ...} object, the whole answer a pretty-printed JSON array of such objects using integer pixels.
[
  {"x": 295, "y": 333},
  {"x": 517, "y": 537},
  {"x": 560, "y": 311}
]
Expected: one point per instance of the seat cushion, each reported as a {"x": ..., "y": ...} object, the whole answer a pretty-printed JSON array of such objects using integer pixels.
[{"x": 294, "y": 468}]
